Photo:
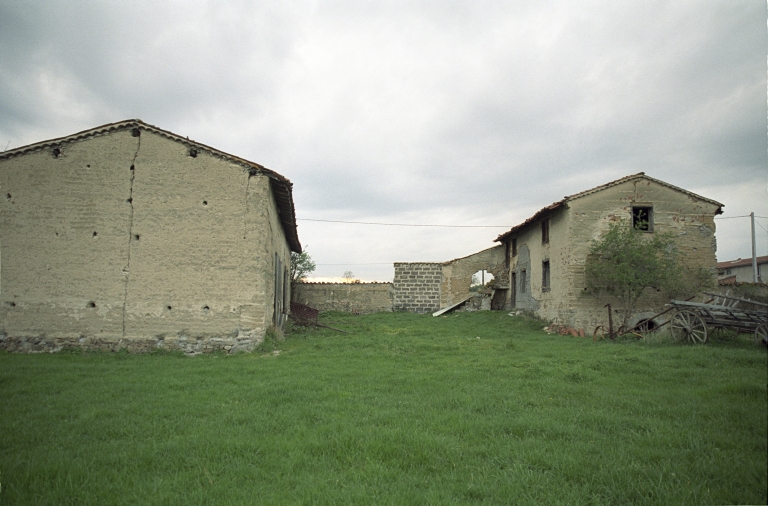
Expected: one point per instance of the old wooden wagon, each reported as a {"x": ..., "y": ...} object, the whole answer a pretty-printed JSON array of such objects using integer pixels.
[{"x": 694, "y": 321}]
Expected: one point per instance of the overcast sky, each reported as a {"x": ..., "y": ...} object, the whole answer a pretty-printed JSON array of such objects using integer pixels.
[{"x": 439, "y": 112}]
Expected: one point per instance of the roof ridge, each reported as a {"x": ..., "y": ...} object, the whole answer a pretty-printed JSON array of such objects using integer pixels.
[
  {"x": 253, "y": 168},
  {"x": 639, "y": 175},
  {"x": 568, "y": 198},
  {"x": 127, "y": 123},
  {"x": 742, "y": 261}
]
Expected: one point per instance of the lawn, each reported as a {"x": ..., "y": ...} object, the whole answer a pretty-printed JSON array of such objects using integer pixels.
[{"x": 404, "y": 409}]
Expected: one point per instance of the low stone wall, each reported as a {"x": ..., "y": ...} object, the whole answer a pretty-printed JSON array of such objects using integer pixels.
[
  {"x": 417, "y": 286},
  {"x": 360, "y": 298}
]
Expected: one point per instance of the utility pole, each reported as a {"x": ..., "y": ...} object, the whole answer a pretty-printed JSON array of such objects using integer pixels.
[{"x": 754, "y": 249}]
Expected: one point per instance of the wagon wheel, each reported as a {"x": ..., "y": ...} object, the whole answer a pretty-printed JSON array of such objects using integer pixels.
[
  {"x": 688, "y": 326},
  {"x": 761, "y": 334},
  {"x": 644, "y": 327}
]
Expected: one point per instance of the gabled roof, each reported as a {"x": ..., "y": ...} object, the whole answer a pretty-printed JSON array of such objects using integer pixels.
[
  {"x": 281, "y": 186},
  {"x": 740, "y": 262},
  {"x": 562, "y": 203}
]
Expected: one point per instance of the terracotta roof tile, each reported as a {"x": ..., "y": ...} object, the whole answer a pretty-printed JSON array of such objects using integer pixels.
[{"x": 739, "y": 262}]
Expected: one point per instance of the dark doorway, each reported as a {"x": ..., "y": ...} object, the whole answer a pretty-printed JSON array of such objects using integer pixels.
[
  {"x": 513, "y": 290},
  {"x": 498, "y": 300}
]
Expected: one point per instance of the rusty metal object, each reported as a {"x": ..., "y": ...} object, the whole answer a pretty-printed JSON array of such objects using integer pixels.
[{"x": 610, "y": 323}]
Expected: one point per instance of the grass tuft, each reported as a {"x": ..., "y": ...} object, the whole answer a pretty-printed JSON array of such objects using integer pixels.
[
  {"x": 403, "y": 409},
  {"x": 273, "y": 337}
]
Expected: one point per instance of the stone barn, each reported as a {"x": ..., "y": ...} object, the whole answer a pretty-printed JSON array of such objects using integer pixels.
[
  {"x": 547, "y": 253},
  {"x": 127, "y": 236}
]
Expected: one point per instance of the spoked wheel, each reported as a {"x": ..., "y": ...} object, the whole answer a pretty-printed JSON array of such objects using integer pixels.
[
  {"x": 688, "y": 326},
  {"x": 761, "y": 334}
]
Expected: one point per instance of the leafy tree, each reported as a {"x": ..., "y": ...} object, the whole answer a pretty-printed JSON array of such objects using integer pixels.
[
  {"x": 301, "y": 266},
  {"x": 626, "y": 261},
  {"x": 475, "y": 284},
  {"x": 349, "y": 277}
]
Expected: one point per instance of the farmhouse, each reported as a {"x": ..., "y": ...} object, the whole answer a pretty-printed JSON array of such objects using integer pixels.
[
  {"x": 130, "y": 236},
  {"x": 741, "y": 270},
  {"x": 547, "y": 253}
]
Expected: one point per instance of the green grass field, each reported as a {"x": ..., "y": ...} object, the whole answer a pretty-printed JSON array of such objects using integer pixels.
[{"x": 405, "y": 409}]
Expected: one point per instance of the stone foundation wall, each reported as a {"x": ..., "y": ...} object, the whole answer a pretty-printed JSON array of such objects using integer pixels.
[
  {"x": 359, "y": 298},
  {"x": 189, "y": 344},
  {"x": 417, "y": 286}
]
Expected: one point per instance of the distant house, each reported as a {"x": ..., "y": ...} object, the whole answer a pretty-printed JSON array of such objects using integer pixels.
[
  {"x": 740, "y": 270},
  {"x": 130, "y": 236},
  {"x": 546, "y": 254}
]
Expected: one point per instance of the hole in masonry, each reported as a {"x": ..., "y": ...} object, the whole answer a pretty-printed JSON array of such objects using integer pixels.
[
  {"x": 168, "y": 308},
  {"x": 91, "y": 304},
  {"x": 88, "y": 166},
  {"x": 56, "y": 152},
  {"x": 206, "y": 308},
  {"x": 12, "y": 304},
  {"x": 129, "y": 199},
  {"x": 205, "y": 202},
  {"x": 8, "y": 196},
  {"x": 95, "y": 234},
  {"x": 57, "y": 234},
  {"x": 193, "y": 152},
  {"x": 137, "y": 236},
  {"x": 133, "y": 168},
  {"x": 135, "y": 132},
  {"x": 479, "y": 280}
]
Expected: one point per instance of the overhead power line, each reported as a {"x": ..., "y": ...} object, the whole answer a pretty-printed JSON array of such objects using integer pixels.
[
  {"x": 374, "y": 263},
  {"x": 457, "y": 226},
  {"x": 404, "y": 224}
]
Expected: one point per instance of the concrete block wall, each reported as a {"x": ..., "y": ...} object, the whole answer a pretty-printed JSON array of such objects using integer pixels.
[
  {"x": 417, "y": 286},
  {"x": 360, "y": 298}
]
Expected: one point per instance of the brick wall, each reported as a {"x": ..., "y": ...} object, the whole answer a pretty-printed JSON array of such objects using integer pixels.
[
  {"x": 417, "y": 287},
  {"x": 362, "y": 298}
]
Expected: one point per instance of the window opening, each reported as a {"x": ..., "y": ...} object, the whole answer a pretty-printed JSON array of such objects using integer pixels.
[
  {"x": 545, "y": 276},
  {"x": 642, "y": 218},
  {"x": 479, "y": 280},
  {"x": 544, "y": 231},
  {"x": 522, "y": 281},
  {"x": 514, "y": 247}
]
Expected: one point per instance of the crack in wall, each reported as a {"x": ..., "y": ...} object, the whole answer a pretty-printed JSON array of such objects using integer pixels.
[
  {"x": 127, "y": 268},
  {"x": 245, "y": 216}
]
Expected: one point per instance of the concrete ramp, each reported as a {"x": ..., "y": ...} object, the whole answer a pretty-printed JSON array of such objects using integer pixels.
[{"x": 451, "y": 308}]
